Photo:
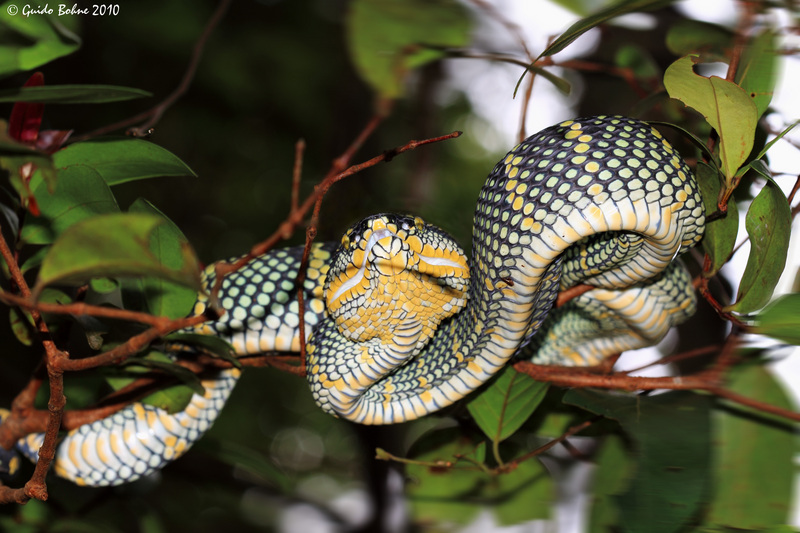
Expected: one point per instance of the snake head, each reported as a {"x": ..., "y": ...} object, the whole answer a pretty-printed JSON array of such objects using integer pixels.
[{"x": 395, "y": 272}]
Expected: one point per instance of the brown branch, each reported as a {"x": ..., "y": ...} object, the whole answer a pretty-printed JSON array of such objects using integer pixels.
[
  {"x": 297, "y": 172},
  {"x": 702, "y": 288},
  {"x": 132, "y": 346},
  {"x": 513, "y": 464},
  {"x": 691, "y": 354},
  {"x": 573, "y": 292},
  {"x": 36, "y": 486},
  {"x": 708, "y": 380},
  {"x": 741, "y": 37},
  {"x": 82, "y": 309},
  {"x": 295, "y": 217},
  {"x": 311, "y": 232},
  {"x": 154, "y": 114}
]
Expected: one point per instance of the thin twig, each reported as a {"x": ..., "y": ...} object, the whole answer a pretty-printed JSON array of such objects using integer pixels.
[
  {"x": 543, "y": 448},
  {"x": 691, "y": 354},
  {"x": 297, "y": 172},
  {"x": 83, "y": 309},
  {"x": 132, "y": 346}
]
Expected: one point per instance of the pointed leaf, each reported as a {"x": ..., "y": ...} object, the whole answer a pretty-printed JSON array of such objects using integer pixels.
[
  {"x": 72, "y": 94},
  {"x": 614, "y": 471},
  {"x": 693, "y": 36},
  {"x": 586, "y": 24},
  {"x": 720, "y": 234},
  {"x": 754, "y": 455},
  {"x": 110, "y": 246},
  {"x": 455, "y": 495},
  {"x": 81, "y": 193},
  {"x": 119, "y": 160},
  {"x": 386, "y": 39},
  {"x": 29, "y": 42},
  {"x": 777, "y": 138},
  {"x": 726, "y": 107},
  {"x": 163, "y": 297},
  {"x": 758, "y": 69},
  {"x": 781, "y": 319},
  {"x": 768, "y": 224},
  {"x": 214, "y": 346},
  {"x": 172, "y": 399},
  {"x": 506, "y": 404},
  {"x": 439, "y": 494},
  {"x": 669, "y": 483}
]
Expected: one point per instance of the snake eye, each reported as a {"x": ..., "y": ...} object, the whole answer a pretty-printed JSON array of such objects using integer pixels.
[{"x": 405, "y": 226}]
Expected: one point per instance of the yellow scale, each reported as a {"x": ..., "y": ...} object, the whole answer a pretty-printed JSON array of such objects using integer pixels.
[{"x": 401, "y": 327}]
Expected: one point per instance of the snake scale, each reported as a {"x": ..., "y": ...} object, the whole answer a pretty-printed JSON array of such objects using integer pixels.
[{"x": 402, "y": 324}]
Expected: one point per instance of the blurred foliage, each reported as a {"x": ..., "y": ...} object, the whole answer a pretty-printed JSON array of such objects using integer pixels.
[{"x": 276, "y": 71}]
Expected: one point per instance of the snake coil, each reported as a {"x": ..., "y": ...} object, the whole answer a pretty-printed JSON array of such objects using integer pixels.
[{"x": 402, "y": 325}]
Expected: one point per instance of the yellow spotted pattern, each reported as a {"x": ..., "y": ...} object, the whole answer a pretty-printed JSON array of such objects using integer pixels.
[
  {"x": 602, "y": 200},
  {"x": 401, "y": 324}
]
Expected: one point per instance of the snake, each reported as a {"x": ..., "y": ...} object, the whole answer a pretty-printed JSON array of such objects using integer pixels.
[{"x": 401, "y": 323}]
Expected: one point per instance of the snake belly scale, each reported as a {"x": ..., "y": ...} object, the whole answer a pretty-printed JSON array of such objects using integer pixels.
[{"x": 400, "y": 324}]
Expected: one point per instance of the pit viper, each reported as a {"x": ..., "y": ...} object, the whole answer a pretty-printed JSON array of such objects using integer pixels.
[{"x": 400, "y": 323}]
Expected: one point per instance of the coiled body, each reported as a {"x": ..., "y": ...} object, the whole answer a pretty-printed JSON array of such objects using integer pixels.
[{"x": 603, "y": 200}]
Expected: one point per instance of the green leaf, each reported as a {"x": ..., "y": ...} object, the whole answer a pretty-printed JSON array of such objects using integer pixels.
[
  {"x": 438, "y": 494},
  {"x": 777, "y": 138},
  {"x": 502, "y": 408},
  {"x": 768, "y": 223},
  {"x": 758, "y": 69},
  {"x": 638, "y": 60},
  {"x": 214, "y": 346},
  {"x": 669, "y": 482},
  {"x": 760, "y": 166},
  {"x": 725, "y": 106},
  {"x": 388, "y": 38},
  {"x": 110, "y": 246},
  {"x": 172, "y": 399},
  {"x": 720, "y": 234},
  {"x": 119, "y": 160},
  {"x": 81, "y": 193},
  {"x": 524, "y": 494},
  {"x": 586, "y": 24},
  {"x": 455, "y": 495},
  {"x": 692, "y": 37},
  {"x": 781, "y": 319},
  {"x": 72, "y": 94},
  {"x": 21, "y": 325},
  {"x": 167, "y": 242},
  {"x": 560, "y": 83},
  {"x": 754, "y": 455},
  {"x": 613, "y": 473},
  {"x": 29, "y": 42}
]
